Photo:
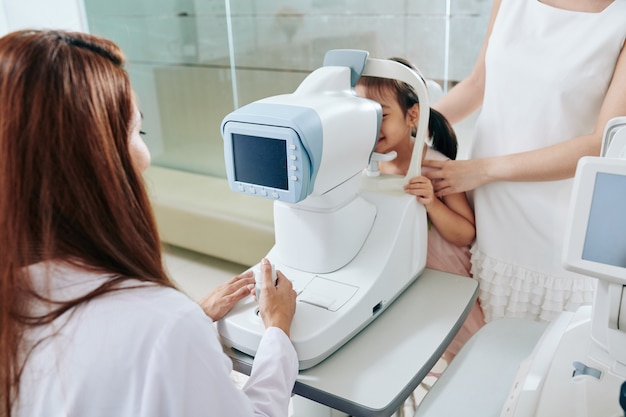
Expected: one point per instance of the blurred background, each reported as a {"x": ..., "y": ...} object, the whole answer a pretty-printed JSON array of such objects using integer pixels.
[{"x": 194, "y": 61}]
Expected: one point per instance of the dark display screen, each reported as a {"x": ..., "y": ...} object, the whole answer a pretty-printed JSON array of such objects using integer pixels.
[
  {"x": 260, "y": 161},
  {"x": 605, "y": 240}
]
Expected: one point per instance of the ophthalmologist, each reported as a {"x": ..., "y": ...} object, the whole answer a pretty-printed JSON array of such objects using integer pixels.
[{"x": 90, "y": 322}]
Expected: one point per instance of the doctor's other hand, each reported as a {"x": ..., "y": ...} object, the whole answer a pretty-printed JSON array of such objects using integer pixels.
[
  {"x": 277, "y": 305},
  {"x": 221, "y": 300},
  {"x": 456, "y": 176}
]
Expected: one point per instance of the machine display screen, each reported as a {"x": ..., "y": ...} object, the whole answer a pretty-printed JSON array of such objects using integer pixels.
[
  {"x": 605, "y": 240},
  {"x": 260, "y": 161}
]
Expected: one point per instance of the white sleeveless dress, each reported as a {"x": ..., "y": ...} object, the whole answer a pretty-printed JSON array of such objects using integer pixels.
[{"x": 547, "y": 71}]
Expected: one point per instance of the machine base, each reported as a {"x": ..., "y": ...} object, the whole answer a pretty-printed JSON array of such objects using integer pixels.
[
  {"x": 547, "y": 384},
  {"x": 333, "y": 307}
]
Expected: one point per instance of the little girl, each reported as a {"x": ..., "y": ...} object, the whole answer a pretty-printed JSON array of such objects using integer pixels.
[{"x": 451, "y": 218}]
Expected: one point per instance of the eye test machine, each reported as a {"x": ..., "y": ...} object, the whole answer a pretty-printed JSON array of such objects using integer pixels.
[
  {"x": 577, "y": 365},
  {"x": 351, "y": 242}
]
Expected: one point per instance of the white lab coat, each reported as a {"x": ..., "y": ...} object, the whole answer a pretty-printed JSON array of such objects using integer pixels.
[{"x": 145, "y": 352}]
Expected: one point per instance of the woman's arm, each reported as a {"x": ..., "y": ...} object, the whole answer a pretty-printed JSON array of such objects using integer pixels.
[
  {"x": 452, "y": 216},
  {"x": 467, "y": 96},
  {"x": 551, "y": 163},
  {"x": 188, "y": 374}
]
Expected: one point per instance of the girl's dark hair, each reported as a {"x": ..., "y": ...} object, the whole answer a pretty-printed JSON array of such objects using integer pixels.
[
  {"x": 68, "y": 187},
  {"x": 441, "y": 132}
]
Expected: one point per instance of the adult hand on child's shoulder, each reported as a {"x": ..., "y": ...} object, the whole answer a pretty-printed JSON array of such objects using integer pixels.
[{"x": 456, "y": 176}]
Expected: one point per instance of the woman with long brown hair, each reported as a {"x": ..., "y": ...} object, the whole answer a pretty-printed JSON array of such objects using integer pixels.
[{"x": 90, "y": 323}]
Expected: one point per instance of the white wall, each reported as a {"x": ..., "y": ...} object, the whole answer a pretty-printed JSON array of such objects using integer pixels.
[{"x": 42, "y": 14}]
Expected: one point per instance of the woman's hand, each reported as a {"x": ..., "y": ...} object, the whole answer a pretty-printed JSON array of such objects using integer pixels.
[
  {"x": 456, "y": 176},
  {"x": 221, "y": 300},
  {"x": 277, "y": 305}
]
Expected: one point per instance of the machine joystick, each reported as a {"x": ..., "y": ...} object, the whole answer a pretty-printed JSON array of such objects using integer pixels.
[
  {"x": 622, "y": 397},
  {"x": 258, "y": 279}
]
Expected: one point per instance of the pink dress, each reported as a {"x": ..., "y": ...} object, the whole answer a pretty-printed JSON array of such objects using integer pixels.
[{"x": 445, "y": 256}]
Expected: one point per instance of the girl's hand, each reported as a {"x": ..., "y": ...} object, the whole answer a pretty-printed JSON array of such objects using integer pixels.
[
  {"x": 222, "y": 299},
  {"x": 422, "y": 188},
  {"x": 456, "y": 176}
]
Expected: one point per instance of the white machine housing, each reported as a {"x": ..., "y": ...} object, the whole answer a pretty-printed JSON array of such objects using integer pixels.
[
  {"x": 579, "y": 365},
  {"x": 350, "y": 243}
]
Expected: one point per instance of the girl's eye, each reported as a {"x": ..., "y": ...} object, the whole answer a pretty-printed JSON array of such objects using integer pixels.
[{"x": 141, "y": 132}]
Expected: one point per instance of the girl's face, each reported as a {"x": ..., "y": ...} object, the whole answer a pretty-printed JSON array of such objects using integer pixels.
[
  {"x": 138, "y": 150},
  {"x": 395, "y": 129}
]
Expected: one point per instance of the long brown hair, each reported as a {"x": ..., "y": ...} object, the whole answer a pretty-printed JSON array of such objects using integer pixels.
[{"x": 68, "y": 189}]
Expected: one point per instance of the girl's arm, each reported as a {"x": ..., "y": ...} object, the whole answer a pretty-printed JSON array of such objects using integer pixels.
[{"x": 452, "y": 216}]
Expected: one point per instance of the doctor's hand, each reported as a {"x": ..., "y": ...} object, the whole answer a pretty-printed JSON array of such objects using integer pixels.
[
  {"x": 277, "y": 305},
  {"x": 455, "y": 176},
  {"x": 221, "y": 300}
]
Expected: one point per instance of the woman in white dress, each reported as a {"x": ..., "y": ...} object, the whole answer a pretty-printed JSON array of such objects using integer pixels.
[
  {"x": 550, "y": 75},
  {"x": 90, "y": 323}
]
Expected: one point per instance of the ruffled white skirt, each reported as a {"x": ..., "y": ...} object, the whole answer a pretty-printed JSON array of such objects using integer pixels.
[{"x": 508, "y": 290}]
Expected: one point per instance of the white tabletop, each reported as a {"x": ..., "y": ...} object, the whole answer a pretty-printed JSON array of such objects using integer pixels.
[{"x": 377, "y": 370}]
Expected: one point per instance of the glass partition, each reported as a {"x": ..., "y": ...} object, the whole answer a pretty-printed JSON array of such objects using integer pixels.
[{"x": 194, "y": 61}]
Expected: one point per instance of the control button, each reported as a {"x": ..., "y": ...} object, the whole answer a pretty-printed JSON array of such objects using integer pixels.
[
  {"x": 241, "y": 187},
  {"x": 292, "y": 157},
  {"x": 252, "y": 190},
  {"x": 263, "y": 193},
  {"x": 293, "y": 167},
  {"x": 275, "y": 194},
  {"x": 317, "y": 300},
  {"x": 293, "y": 178},
  {"x": 292, "y": 147}
]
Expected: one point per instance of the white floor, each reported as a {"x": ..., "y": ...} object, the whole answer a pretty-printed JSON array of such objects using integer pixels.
[{"x": 197, "y": 274}]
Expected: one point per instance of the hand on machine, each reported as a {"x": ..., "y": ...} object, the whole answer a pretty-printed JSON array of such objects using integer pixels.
[{"x": 259, "y": 278}]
